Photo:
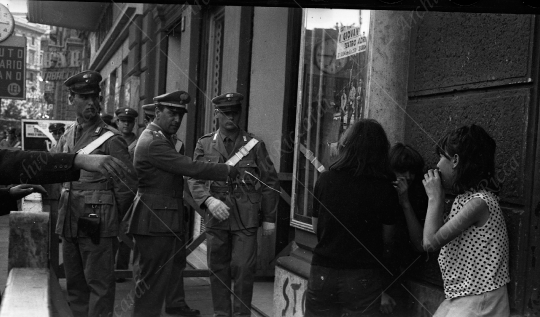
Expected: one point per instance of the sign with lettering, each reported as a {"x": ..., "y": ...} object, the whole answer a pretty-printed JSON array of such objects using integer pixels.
[
  {"x": 350, "y": 42},
  {"x": 13, "y": 68},
  {"x": 36, "y": 136},
  {"x": 289, "y": 294},
  {"x": 55, "y": 74}
]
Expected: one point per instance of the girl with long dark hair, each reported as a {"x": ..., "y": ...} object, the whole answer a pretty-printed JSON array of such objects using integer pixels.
[{"x": 354, "y": 211}]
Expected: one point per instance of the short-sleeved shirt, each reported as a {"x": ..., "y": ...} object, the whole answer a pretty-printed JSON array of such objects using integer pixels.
[
  {"x": 351, "y": 211},
  {"x": 476, "y": 261}
]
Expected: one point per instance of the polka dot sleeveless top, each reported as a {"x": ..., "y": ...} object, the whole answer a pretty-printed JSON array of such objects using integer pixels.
[{"x": 476, "y": 261}]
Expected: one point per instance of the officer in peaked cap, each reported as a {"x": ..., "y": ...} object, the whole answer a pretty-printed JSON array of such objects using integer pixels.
[
  {"x": 125, "y": 121},
  {"x": 176, "y": 101},
  {"x": 57, "y": 129},
  {"x": 159, "y": 231},
  {"x": 84, "y": 83},
  {"x": 109, "y": 120},
  {"x": 228, "y": 102},
  {"x": 90, "y": 278},
  {"x": 149, "y": 113},
  {"x": 234, "y": 210}
]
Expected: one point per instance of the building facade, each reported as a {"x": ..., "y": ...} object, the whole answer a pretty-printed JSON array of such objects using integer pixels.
[
  {"x": 418, "y": 73},
  {"x": 62, "y": 58}
]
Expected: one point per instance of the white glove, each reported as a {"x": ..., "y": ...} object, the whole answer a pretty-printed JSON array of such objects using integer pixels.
[
  {"x": 268, "y": 228},
  {"x": 218, "y": 208}
]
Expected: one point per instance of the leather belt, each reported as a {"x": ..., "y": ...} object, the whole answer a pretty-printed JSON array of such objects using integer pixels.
[
  {"x": 88, "y": 186},
  {"x": 162, "y": 192},
  {"x": 236, "y": 189}
]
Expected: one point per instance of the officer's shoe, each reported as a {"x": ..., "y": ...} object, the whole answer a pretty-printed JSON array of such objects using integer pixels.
[{"x": 182, "y": 311}]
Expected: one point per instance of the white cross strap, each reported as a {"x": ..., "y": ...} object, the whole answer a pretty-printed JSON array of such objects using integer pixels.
[
  {"x": 242, "y": 152},
  {"x": 96, "y": 143}
]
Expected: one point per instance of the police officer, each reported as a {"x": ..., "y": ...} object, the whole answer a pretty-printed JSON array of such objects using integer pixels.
[
  {"x": 156, "y": 216},
  {"x": 109, "y": 120},
  {"x": 234, "y": 210},
  {"x": 57, "y": 129},
  {"x": 88, "y": 254},
  {"x": 125, "y": 121},
  {"x": 149, "y": 113}
]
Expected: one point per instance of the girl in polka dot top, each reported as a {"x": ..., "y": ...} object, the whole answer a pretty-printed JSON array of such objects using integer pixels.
[{"x": 472, "y": 237}]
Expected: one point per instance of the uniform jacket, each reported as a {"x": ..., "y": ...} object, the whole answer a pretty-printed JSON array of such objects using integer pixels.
[
  {"x": 32, "y": 167},
  {"x": 158, "y": 208},
  {"x": 29, "y": 167},
  {"x": 131, "y": 147},
  {"x": 94, "y": 193},
  {"x": 252, "y": 201}
]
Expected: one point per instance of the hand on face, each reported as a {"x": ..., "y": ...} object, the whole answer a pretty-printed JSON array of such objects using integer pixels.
[
  {"x": 402, "y": 187},
  {"x": 433, "y": 184}
]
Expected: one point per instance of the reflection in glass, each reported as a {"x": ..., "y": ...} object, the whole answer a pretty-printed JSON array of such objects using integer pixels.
[{"x": 331, "y": 94}]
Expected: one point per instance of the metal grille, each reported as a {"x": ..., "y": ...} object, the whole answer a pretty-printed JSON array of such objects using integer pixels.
[{"x": 215, "y": 62}]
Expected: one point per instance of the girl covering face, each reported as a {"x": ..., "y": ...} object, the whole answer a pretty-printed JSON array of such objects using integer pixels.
[{"x": 474, "y": 282}]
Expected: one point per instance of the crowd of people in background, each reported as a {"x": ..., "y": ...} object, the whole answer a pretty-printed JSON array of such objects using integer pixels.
[{"x": 10, "y": 139}]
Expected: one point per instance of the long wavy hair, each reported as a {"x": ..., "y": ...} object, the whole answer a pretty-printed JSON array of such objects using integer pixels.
[
  {"x": 476, "y": 165},
  {"x": 363, "y": 149}
]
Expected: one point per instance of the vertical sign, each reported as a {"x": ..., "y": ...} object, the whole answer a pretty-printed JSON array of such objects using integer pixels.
[{"x": 13, "y": 68}]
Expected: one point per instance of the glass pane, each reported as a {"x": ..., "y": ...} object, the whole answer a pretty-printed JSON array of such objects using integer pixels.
[{"x": 330, "y": 93}]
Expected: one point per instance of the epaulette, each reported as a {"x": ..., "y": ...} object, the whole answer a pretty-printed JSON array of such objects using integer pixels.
[
  {"x": 158, "y": 134},
  {"x": 208, "y": 135}
]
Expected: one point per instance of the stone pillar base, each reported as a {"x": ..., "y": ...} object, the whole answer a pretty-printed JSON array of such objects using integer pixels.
[{"x": 289, "y": 292}]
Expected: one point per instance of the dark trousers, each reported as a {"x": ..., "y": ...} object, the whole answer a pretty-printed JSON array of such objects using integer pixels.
[
  {"x": 336, "y": 293},
  {"x": 89, "y": 276},
  {"x": 232, "y": 257},
  {"x": 159, "y": 263},
  {"x": 122, "y": 254}
]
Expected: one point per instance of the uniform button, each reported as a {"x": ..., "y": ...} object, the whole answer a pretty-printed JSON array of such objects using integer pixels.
[
  {"x": 165, "y": 207},
  {"x": 99, "y": 200},
  {"x": 247, "y": 164},
  {"x": 55, "y": 167},
  {"x": 208, "y": 160}
]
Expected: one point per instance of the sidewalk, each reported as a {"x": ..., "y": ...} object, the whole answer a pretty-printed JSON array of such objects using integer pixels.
[{"x": 197, "y": 289}]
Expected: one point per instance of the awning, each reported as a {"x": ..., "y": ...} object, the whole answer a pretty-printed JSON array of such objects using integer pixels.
[{"x": 80, "y": 15}]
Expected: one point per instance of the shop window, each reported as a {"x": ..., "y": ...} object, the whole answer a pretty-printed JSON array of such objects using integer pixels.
[{"x": 331, "y": 96}]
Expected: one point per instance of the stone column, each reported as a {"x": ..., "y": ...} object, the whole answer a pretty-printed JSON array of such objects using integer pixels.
[{"x": 388, "y": 70}]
